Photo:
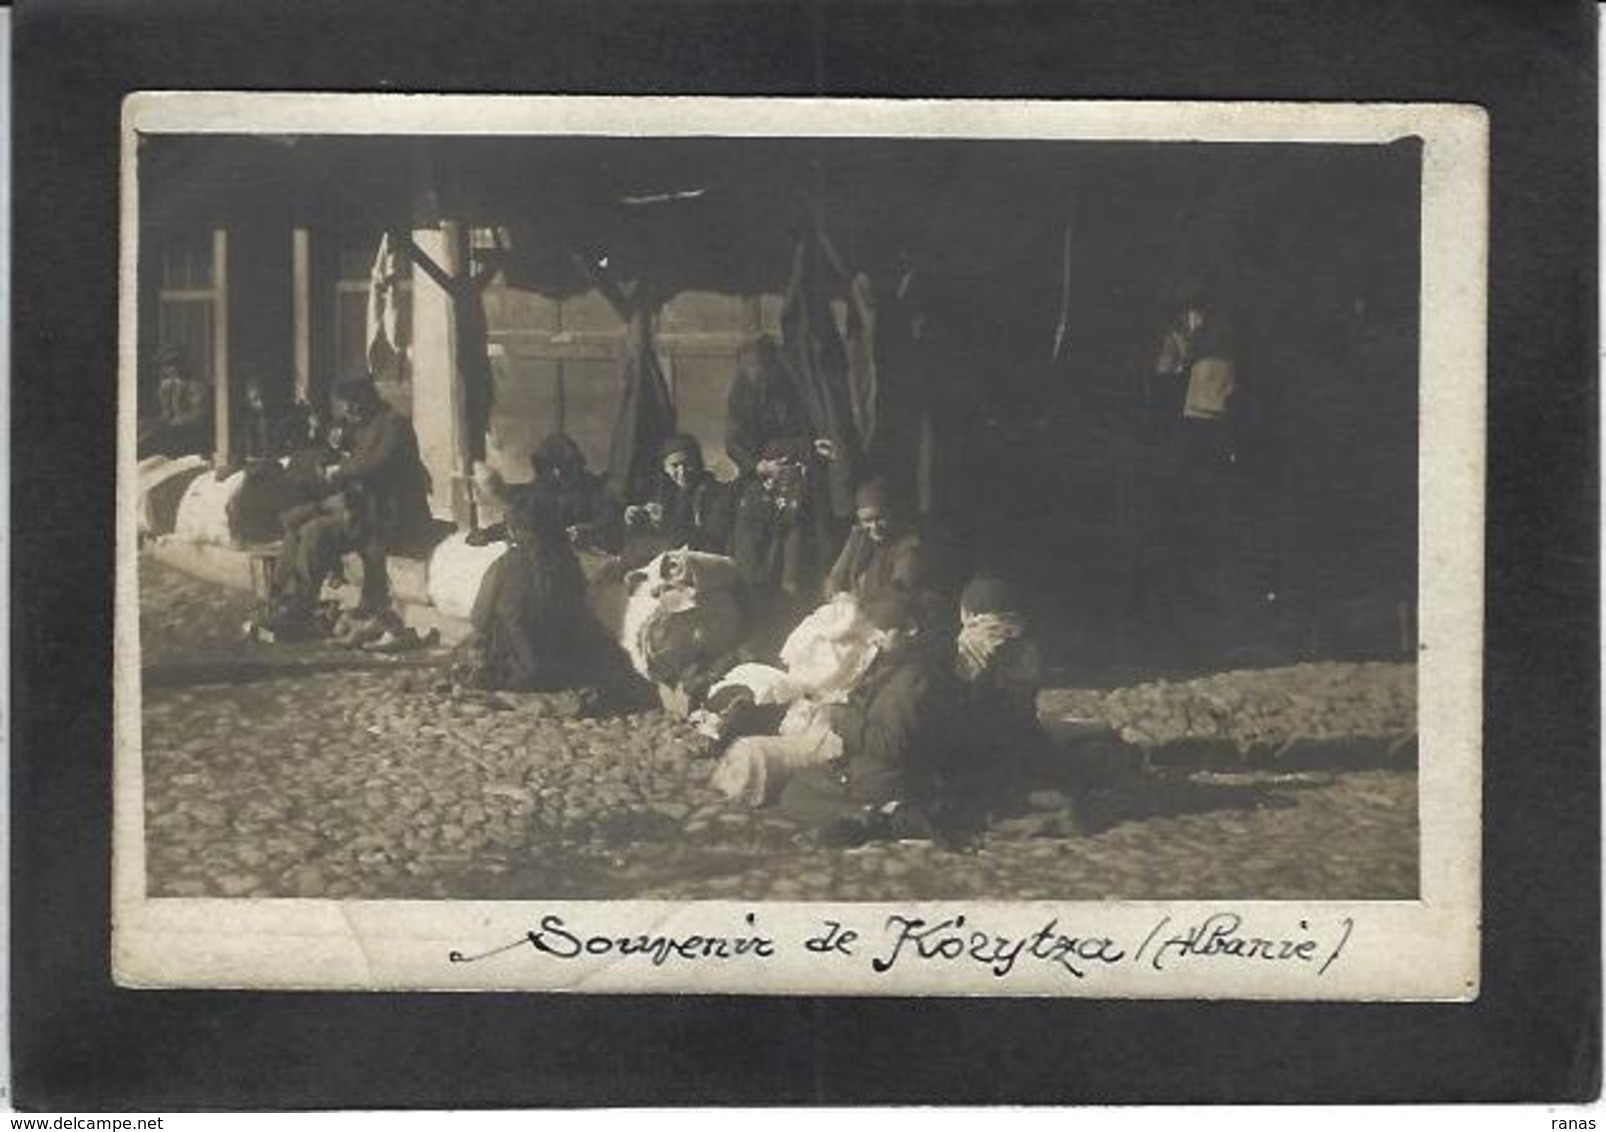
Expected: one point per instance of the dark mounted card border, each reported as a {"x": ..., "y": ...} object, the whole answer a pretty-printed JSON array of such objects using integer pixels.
[{"x": 1534, "y": 1034}]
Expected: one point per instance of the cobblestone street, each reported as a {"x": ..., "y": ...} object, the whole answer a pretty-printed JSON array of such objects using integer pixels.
[{"x": 305, "y": 770}]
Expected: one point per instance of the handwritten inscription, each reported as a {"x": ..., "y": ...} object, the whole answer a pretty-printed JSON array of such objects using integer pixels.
[
  {"x": 958, "y": 942},
  {"x": 952, "y": 939},
  {"x": 555, "y": 938},
  {"x": 1223, "y": 936}
]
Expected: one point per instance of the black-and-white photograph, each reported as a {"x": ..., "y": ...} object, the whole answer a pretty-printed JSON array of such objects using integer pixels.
[{"x": 916, "y": 516}]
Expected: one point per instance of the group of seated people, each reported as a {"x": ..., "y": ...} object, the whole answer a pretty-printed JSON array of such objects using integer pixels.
[
  {"x": 883, "y": 709},
  {"x": 861, "y": 697},
  {"x": 353, "y": 484}
]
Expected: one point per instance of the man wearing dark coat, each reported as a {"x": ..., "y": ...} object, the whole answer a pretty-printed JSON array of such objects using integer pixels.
[
  {"x": 269, "y": 428},
  {"x": 269, "y": 432},
  {"x": 379, "y": 502}
]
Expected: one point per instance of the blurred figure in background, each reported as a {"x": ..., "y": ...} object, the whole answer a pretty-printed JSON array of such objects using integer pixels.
[{"x": 183, "y": 422}]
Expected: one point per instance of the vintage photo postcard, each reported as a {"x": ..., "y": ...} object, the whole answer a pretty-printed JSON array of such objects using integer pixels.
[{"x": 800, "y": 546}]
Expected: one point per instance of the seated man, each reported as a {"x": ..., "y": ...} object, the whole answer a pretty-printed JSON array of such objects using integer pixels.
[
  {"x": 378, "y": 502},
  {"x": 532, "y": 629},
  {"x": 690, "y": 508},
  {"x": 893, "y": 731}
]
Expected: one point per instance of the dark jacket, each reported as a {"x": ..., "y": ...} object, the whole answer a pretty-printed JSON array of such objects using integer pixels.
[
  {"x": 865, "y": 566},
  {"x": 697, "y": 515},
  {"x": 274, "y": 431},
  {"x": 756, "y": 418},
  {"x": 580, "y": 495},
  {"x": 382, "y": 458},
  {"x": 895, "y": 728}
]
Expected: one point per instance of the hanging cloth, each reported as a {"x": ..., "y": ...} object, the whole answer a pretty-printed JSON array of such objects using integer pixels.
[
  {"x": 902, "y": 445},
  {"x": 384, "y": 314},
  {"x": 813, "y": 351},
  {"x": 864, "y": 379},
  {"x": 646, "y": 414}
]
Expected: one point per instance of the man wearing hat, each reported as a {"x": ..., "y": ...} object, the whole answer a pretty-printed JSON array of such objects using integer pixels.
[
  {"x": 183, "y": 423},
  {"x": 379, "y": 502},
  {"x": 893, "y": 729}
]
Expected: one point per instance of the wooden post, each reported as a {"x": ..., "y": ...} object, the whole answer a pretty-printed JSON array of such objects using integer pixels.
[
  {"x": 437, "y": 402},
  {"x": 301, "y": 310},
  {"x": 458, "y": 262},
  {"x": 222, "y": 449}
]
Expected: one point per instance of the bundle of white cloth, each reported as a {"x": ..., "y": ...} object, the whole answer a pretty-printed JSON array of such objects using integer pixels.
[
  {"x": 825, "y": 657},
  {"x": 681, "y": 609}
]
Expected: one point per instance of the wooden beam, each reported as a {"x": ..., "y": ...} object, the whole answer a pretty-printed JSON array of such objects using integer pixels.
[
  {"x": 301, "y": 310},
  {"x": 468, "y": 337},
  {"x": 420, "y": 259},
  {"x": 617, "y": 299},
  {"x": 222, "y": 446}
]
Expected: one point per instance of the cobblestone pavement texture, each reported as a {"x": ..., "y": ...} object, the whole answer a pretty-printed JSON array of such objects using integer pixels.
[{"x": 304, "y": 770}]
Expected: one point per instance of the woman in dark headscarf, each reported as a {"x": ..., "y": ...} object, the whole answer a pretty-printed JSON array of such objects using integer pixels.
[
  {"x": 533, "y": 631},
  {"x": 583, "y": 507},
  {"x": 690, "y": 508},
  {"x": 561, "y": 476}
]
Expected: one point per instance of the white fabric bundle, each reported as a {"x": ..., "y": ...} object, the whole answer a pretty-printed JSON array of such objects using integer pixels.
[
  {"x": 162, "y": 484},
  {"x": 455, "y": 572},
  {"x": 681, "y": 583},
  {"x": 203, "y": 513},
  {"x": 825, "y": 656}
]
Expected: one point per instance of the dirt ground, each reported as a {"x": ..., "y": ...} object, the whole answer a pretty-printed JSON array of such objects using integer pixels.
[{"x": 305, "y": 770}]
